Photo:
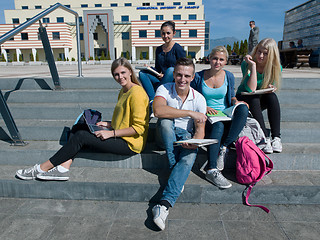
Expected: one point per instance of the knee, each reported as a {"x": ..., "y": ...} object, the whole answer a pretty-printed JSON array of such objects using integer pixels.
[
  {"x": 169, "y": 71},
  {"x": 242, "y": 109},
  {"x": 165, "y": 124}
]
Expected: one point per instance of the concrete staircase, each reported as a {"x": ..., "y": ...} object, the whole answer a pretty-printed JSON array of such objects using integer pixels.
[{"x": 43, "y": 117}]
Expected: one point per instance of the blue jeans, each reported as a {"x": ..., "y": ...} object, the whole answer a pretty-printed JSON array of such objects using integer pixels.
[
  {"x": 225, "y": 132},
  {"x": 180, "y": 159},
  {"x": 150, "y": 82}
]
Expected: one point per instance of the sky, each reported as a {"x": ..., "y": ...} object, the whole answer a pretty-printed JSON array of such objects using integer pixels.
[{"x": 230, "y": 18}]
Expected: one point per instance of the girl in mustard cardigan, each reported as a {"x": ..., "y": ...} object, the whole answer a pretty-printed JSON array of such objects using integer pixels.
[{"x": 126, "y": 133}]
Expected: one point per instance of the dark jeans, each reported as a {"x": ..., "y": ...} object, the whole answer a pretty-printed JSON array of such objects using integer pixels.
[
  {"x": 84, "y": 139},
  {"x": 225, "y": 132},
  {"x": 258, "y": 103}
]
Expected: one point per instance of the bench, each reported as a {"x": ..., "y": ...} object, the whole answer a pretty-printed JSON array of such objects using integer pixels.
[{"x": 295, "y": 57}]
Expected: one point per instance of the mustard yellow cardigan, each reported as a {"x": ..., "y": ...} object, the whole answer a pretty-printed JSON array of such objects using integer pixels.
[{"x": 132, "y": 110}]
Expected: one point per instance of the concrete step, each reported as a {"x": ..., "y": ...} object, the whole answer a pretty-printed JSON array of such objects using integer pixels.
[
  {"x": 109, "y": 82},
  {"x": 66, "y": 83},
  {"x": 55, "y": 130},
  {"x": 295, "y": 156},
  {"x": 68, "y": 96},
  {"x": 138, "y": 185}
]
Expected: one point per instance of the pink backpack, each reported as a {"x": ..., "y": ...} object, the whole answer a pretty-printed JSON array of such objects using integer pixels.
[{"x": 251, "y": 166}]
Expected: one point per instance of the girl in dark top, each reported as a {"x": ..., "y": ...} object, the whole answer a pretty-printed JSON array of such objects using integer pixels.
[{"x": 166, "y": 57}]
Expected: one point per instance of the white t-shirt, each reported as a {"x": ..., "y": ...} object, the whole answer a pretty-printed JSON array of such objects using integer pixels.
[{"x": 194, "y": 102}]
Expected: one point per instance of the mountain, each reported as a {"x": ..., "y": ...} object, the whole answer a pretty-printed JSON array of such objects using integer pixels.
[{"x": 221, "y": 42}]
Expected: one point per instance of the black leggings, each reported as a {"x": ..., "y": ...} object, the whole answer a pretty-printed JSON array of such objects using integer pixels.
[
  {"x": 84, "y": 139},
  {"x": 258, "y": 103}
]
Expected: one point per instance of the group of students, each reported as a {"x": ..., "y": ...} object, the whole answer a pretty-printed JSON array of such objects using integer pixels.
[{"x": 181, "y": 100}]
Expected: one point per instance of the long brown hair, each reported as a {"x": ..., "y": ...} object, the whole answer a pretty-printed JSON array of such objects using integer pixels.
[{"x": 125, "y": 63}]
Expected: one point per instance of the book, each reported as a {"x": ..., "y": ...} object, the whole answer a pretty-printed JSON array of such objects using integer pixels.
[
  {"x": 198, "y": 142},
  {"x": 260, "y": 91},
  {"x": 148, "y": 69},
  {"x": 224, "y": 115}
]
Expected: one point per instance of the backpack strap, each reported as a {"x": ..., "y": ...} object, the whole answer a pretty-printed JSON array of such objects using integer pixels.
[{"x": 246, "y": 198}]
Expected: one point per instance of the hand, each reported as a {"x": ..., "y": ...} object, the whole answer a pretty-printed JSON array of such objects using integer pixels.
[
  {"x": 189, "y": 146},
  {"x": 272, "y": 86},
  {"x": 238, "y": 102},
  {"x": 198, "y": 117},
  {"x": 104, "y": 134},
  {"x": 104, "y": 124},
  {"x": 211, "y": 111},
  {"x": 160, "y": 76},
  {"x": 249, "y": 60},
  {"x": 145, "y": 65}
]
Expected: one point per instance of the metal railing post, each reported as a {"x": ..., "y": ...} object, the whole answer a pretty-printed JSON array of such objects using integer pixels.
[{"x": 8, "y": 119}]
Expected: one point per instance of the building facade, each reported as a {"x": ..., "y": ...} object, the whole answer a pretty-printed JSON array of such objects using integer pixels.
[
  {"x": 129, "y": 28},
  {"x": 303, "y": 22}
]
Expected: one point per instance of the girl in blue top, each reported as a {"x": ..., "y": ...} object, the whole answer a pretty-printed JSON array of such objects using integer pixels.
[
  {"x": 217, "y": 86},
  {"x": 262, "y": 70},
  {"x": 166, "y": 56}
]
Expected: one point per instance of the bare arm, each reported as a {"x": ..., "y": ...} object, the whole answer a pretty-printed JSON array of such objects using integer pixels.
[
  {"x": 125, "y": 132},
  {"x": 252, "y": 81},
  {"x": 162, "y": 110}
]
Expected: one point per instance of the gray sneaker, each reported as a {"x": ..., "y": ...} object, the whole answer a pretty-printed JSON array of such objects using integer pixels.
[
  {"x": 54, "y": 174},
  {"x": 221, "y": 158},
  {"x": 218, "y": 179},
  {"x": 28, "y": 173}
]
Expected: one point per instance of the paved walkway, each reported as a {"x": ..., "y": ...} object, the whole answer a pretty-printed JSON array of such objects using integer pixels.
[{"x": 83, "y": 220}]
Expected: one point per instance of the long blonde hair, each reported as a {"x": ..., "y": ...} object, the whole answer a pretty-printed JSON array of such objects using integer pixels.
[
  {"x": 125, "y": 63},
  {"x": 272, "y": 69}
]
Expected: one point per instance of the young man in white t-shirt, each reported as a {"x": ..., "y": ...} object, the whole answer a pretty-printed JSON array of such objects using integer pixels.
[{"x": 181, "y": 111}]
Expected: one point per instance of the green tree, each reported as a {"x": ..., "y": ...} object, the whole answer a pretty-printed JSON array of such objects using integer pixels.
[
  {"x": 14, "y": 57},
  {"x": 147, "y": 56},
  {"x": 3, "y": 59},
  {"x": 37, "y": 56},
  {"x": 31, "y": 57},
  {"x": 127, "y": 55},
  {"x": 108, "y": 55},
  {"x": 103, "y": 56},
  {"x": 229, "y": 49}
]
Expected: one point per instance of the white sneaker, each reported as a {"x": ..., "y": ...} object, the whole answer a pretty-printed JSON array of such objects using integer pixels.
[
  {"x": 276, "y": 145},
  {"x": 216, "y": 177},
  {"x": 268, "y": 147},
  {"x": 160, "y": 214},
  {"x": 28, "y": 173},
  {"x": 221, "y": 158}
]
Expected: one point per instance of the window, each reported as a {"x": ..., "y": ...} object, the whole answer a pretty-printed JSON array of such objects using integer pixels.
[
  {"x": 125, "y": 36},
  {"x": 127, "y": 4},
  {"x": 192, "y": 33},
  {"x": 56, "y": 36},
  {"x": 145, "y": 4},
  {"x": 176, "y": 3},
  {"x": 143, "y": 17},
  {"x": 142, "y": 33},
  {"x": 80, "y": 20},
  {"x": 192, "y": 16},
  {"x": 95, "y": 36},
  {"x": 25, "y": 7},
  {"x": 157, "y": 33},
  {"x": 38, "y": 7},
  {"x": 84, "y": 5},
  {"x": 81, "y": 36},
  {"x": 192, "y": 54},
  {"x": 24, "y": 36},
  {"x": 15, "y": 20},
  {"x": 178, "y": 34},
  {"x": 46, "y": 20},
  {"x": 160, "y": 3},
  {"x": 159, "y": 17},
  {"x": 125, "y": 18},
  {"x": 98, "y": 5},
  {"x": 176, "y": 17},
  {"x": 191, "y": 3},
  {"x": 60, "y": 19},
  {"x": 113, "y": 4},
  {"x": 69, "y": 6}
]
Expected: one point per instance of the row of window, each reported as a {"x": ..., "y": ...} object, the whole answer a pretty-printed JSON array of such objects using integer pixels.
[
  {"x": 193, "y": 33},
  {"x": 123, "y": 18},
  {"x": 25, "y": 36},
  {"x": 116, "y": 5}
]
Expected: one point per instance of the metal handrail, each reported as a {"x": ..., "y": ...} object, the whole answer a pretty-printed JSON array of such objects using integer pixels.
[{"x": 31, "y": 21}]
